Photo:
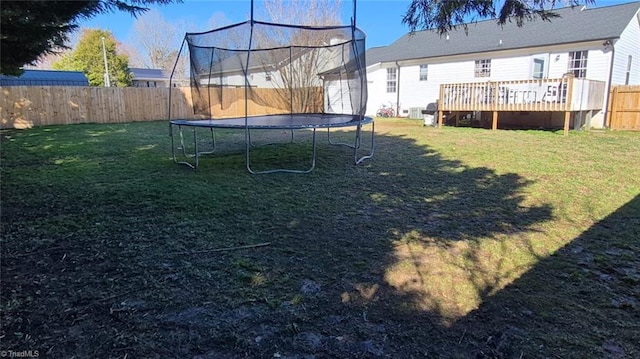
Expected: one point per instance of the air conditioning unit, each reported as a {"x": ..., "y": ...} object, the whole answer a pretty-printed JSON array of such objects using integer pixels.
[{"x": 415, "y": 113}]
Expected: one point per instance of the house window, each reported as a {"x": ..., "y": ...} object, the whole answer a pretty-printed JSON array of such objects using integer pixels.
[
  {"x": 538, "y": 68},
  {"x": 392, "y": 80},
  {"x": 267, "y": 76},
  {"x": 578, "y": 64},
  {"x": 626, "y": 80},
  {"x": 483, "y": 68},
  {"x": 424, "y": 72}
]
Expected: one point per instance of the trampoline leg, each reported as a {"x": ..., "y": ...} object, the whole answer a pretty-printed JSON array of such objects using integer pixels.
[
  {"x": 285, "y": 170},
  {"x": 249, "y": 138},
  {"x": 182, "y": 146},
  {"x": 184, "y": 151},
  {"x": 357, "y": 159},
  {"x": 213, "y": 143},
  {"x": 173, "y": 146},
  {"x": 195, "y": 146},
  {"x": 337, "y": 143},
  {"x": 356, "y": 144}
]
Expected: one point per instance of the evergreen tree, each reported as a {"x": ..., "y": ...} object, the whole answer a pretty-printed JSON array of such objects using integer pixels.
[
  {"x": 30, "y": 29},
  {"x": 446, "y": 15},
  {"x": 88, "y": 57}
]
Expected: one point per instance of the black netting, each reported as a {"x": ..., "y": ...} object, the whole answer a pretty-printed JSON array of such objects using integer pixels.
[{"x": 256, "y": 68}]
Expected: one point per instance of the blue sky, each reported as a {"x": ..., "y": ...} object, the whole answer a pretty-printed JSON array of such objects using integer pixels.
[{"x": 381, "y": 20}]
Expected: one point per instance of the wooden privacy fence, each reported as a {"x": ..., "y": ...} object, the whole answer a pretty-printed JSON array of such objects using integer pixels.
[
  {"x": 225, "y": 102},
  {"x": 624, "y": 108},
  {"x": 30, "y": 106}
]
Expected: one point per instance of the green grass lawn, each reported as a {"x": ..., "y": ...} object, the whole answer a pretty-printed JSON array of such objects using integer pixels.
[{"x": 452, "y": 243}]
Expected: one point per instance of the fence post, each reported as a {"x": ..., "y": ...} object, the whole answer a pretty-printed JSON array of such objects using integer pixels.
[{"x": 613, "y": 115}]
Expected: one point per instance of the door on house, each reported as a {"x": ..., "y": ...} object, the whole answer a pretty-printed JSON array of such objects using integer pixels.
[{"x": 337, "y": 97}]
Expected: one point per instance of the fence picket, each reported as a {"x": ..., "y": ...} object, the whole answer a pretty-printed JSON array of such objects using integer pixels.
[{"x": 624, "y": 108}]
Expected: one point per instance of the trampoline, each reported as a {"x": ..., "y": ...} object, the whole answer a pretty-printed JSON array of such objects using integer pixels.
[{"x": 258, "y": 75}]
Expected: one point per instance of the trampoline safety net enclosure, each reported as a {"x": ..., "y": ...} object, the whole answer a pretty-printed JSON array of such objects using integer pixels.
[{"x": 259, "y": 75}]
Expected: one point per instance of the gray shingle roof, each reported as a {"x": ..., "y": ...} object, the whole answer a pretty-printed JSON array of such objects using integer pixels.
[
  {"x": 574, "y": 25},
  {"x": 376, "y": 54},
  {"x": 148, "y": 74}
]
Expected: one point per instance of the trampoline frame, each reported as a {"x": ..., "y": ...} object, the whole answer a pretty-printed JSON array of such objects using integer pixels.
[
  {"x": 285, "y": 121},
  {"x": 272, "y": 122}
]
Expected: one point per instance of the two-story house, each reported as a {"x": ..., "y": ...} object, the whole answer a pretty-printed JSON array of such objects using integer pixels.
[{"x": 543, "y": 74}]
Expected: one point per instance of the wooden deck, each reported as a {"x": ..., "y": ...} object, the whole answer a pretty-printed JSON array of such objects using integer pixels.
[{"x": 565, "y": 94}]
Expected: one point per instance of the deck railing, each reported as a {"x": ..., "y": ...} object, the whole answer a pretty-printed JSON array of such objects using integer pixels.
[{"x": 563, "y": 94}]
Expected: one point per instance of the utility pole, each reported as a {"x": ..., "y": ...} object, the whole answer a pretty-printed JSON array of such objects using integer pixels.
[{"x": 107, "y": 82}]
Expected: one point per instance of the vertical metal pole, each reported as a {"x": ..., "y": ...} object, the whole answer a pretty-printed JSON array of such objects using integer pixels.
[
  {"x": 290, "y": 81},
  {"x": 209, "y": 110},
  {"x": 247, "y": 135},
  {"x": 195, "y": 145},
  {"x": 171, "y": 77},
  {"x": 354, "y": 13},
  {"x": 107, "y": 82}
]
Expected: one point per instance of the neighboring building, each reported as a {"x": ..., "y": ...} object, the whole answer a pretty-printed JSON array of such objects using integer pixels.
[
  {"x": 265, "y": 69},
  {"x": 46, "y": 78},
  {"x": 339, "y": 88},
  {"x": 149, "y": 77},
  {"x": 510, "y": 64}
]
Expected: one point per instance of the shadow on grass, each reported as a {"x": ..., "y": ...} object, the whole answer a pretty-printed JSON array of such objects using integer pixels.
[
  {"x": 409, "y": 255},
  {"x": 583, "y": 299}
]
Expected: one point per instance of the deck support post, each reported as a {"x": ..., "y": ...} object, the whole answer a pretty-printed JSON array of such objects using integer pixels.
[
  {"x": 494, "y": 122},
  {"x": 440, "y": 116},
  {"x": 567, "y": 117}
]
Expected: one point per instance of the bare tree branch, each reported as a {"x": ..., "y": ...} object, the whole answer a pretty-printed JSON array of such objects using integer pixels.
[{"x": 292, "y": 79}]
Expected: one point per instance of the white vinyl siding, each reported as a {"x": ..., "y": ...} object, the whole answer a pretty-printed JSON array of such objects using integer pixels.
[
  {"x": 257, "y": 78},
  {"x": 377, "y": 90},
  {"x": 416, "y": 93},
  {"x": 338, "y": 98},
  {"x": 597, "y": 64},
  {"x": 627, "y": 46},
  {"x": 558, "y": 64},
  {"x": 510, "y": 68}
]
